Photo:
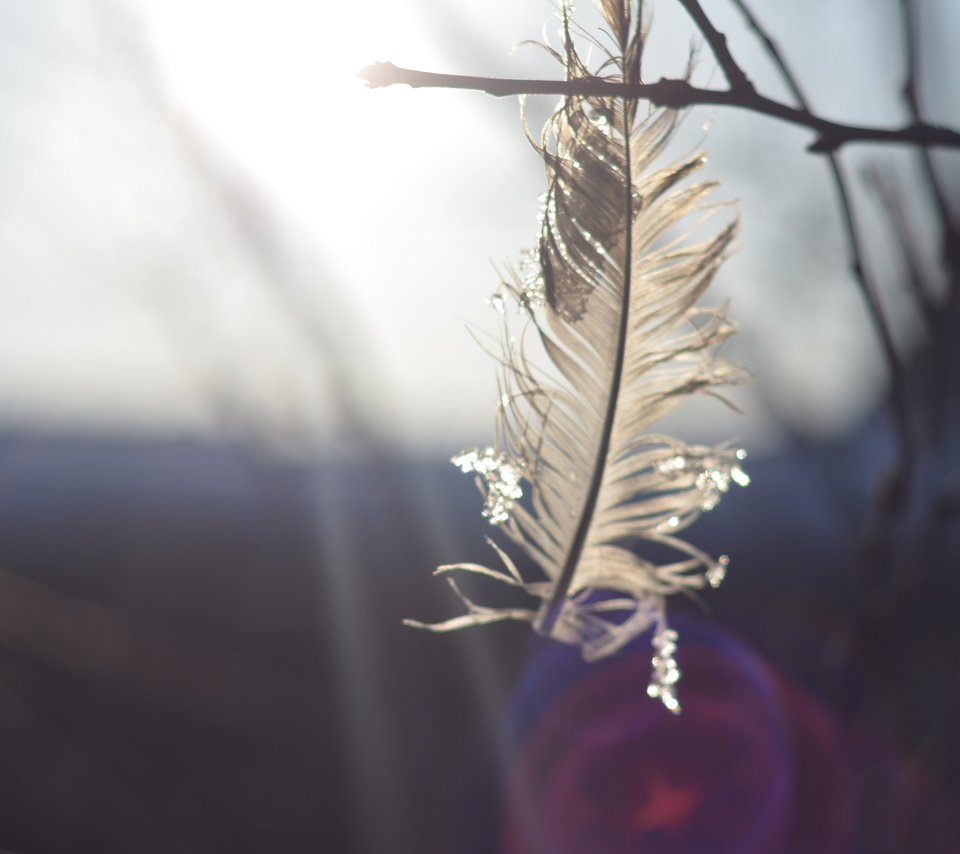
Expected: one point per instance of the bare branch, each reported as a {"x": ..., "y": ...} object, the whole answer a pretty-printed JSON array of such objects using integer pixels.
[
  {"x": 677, "y": 94},
  {"x": 735, "y": 75},
  {"x": 895, "y": 486},
  {"x": 943, "y": 340},
  {"x": 890, "y": 198},
  {"x": 911, "y": 94}
]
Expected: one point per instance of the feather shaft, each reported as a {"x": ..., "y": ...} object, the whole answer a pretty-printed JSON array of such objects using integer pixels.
[{"x": 593, "y": 490}]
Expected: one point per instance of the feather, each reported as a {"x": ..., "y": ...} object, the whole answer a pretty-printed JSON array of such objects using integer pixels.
[{"x": 611, "y": 296}]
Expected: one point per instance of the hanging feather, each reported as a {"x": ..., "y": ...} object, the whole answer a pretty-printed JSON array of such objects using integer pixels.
[{"x": 611, "y": 294}]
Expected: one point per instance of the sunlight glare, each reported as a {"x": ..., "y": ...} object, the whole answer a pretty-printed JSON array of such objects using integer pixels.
[{"x": 274, "y": 85}]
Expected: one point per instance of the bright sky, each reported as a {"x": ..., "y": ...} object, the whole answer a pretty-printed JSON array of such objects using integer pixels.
[{"x": 204, "y": 211}]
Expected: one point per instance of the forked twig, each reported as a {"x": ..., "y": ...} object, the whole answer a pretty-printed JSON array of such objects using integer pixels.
[
  {"x": 677, "y": 94},
  {"x": 735, "y": 75}
]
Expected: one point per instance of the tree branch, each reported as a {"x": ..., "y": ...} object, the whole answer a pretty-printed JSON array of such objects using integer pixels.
[
  {"x": 677, "y": 94},
  {"x": 895, "y": 486},
  {"x": 735, "y": 75},
  {"x": 950, "y": 249},
  {"x": 944, "y": 316}
]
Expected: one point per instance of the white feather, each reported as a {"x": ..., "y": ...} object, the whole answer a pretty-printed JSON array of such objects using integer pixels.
[{"x": 614, "y": 306}]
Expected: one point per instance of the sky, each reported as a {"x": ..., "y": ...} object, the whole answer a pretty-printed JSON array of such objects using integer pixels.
[{"x": 210, "y": 227}]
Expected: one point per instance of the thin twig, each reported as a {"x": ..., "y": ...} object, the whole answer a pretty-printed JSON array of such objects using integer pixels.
[
  {"x": 911, "y": 93},
  {"x": 673, "y": 93},
  {"x": 942, "y": 344},
  {"x": 735, "y": 75},
  {"x": 890, "y": 199},
  {"x": 893, "y": 490}
]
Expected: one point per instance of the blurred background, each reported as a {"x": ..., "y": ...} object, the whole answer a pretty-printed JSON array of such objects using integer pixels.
[{"x": 237, "y": 295}]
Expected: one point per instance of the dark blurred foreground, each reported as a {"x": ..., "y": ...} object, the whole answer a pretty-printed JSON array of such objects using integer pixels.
[{"x": 201, "y": 651}]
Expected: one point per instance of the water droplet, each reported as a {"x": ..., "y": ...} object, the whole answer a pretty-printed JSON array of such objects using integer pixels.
[
  {"x": 708, "y": 472},
  {"x": 501, "y": 479},
  {"x": 665, "y": 673},
  {"x": 669, "y": 524},
  {"x": 533, "y": 287},
  {"x": 716, "y": 573},
  {"x": 496, "y": 302}
]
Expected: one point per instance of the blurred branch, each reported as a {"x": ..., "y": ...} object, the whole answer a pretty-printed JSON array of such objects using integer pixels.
[
  {"x": 911, "y": 93},
  {"x": 890, "y": 197},
  {"x": 944, "y": 319},
  {"x": 895, "y": 485},
  {"x": 676, "y": 94}
]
